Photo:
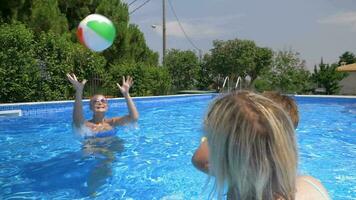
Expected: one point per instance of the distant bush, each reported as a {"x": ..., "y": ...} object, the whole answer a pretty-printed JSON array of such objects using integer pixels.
[
  {"x": 148, "y": 80},
  {"x": 263, "y": 85},
  {"x": 183, "y": 67}
]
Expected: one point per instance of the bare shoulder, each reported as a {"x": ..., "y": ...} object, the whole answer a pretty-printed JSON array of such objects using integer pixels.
[
  {"x": 200, "y": 158},
  {"x": 309, "y": 187}
]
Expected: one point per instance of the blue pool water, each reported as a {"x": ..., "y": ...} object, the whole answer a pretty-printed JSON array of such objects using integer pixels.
[{"x": 41, "y": 159}]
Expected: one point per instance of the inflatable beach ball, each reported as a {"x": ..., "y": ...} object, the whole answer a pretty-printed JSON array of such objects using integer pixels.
[{"x": 96, "y": 32}]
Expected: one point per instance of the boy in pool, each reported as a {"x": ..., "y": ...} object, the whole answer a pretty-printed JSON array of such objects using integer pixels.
[
  {"x": 99, "y": 126},
  {"x": 200, "y": 158}
]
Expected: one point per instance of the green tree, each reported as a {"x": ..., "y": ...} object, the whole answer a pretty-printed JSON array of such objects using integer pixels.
[
  {"x": 47, "y": 17},
  {"x": 261, "y": 62},
  {"x": 129, "y": 44},
  {"x": 76, "y": 10},
  {"x": 242, "y": 58},
  {"x": 347, "y": 58},
  {"x": 183, "y": 67},
  {"x": 63, "y": 17},
  {"x": 53, "y": 53},
  {"x": 117, "y": 12},
  {"x": 287, "y": 74},
  {"x": 17, "y": 10},
  {"x": 326, "y": 76},
  {"x": 206, "y": 76},
  {"x": 138, "y": 50}
]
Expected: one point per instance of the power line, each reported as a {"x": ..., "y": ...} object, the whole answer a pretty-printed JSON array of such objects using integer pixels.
[
  {"x": 181, "y": 27},
  {"x": 144, "y": 3},
  {"x": 132, "y": 2}
]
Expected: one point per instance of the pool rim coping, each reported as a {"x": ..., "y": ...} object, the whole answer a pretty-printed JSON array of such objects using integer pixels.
[
  {"x": 87, "y": 100},
  {"x": 164, "y": 96}
]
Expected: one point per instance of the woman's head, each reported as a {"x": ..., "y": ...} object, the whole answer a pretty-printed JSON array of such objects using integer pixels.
[
  {"x": 252, "y": 147},
  {"x": 98, "y": 103}
]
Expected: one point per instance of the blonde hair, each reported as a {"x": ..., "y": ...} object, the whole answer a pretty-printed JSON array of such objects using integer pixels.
[
  {"x": 252, "y": 147},
  {"x": 287, "y": 103}
]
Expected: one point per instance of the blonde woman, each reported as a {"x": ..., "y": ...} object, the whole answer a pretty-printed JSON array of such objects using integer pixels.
[
  {"x": 253, "y": 151},
  {"x": 200, "y": 158},
  {"x": 100, "y": 126}
]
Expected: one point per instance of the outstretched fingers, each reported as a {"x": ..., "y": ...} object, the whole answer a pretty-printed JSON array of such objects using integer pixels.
[
  {"x": 74, "y": 80},
  {"x": 70, "y": 78},
  {"x": 123, "y": 80},
  {"x": 118, "y": 85},
  {"x": 130, "y": 80},
  {"x": 74, "y": 76},
  {"x": 126, "y": 81}
]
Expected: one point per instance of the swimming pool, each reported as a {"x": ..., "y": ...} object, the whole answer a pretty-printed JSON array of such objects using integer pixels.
[{"x": 40, "y": 157}]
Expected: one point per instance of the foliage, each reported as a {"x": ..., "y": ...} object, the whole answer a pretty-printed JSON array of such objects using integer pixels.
[
  {"x": 35, "y": 59},
  {"x": 76, "y": 10},
  {"x": 287, "y": 74},
  {"x": 130, "y": 44},
  {"x": 18, "y": 76},
  {"x": 34, "y": 70},
  {"x": 46, "y": 17},
  {"x": 239, "y": 58},
  {"x": 12, "y": 11},
  {"x": 63, "y": 17},
  {"x": 39, "y": 47},
  {"x": 327, "y": 77},
  {"x": 183, "y": 67},
  {"x": 117, "y": 12},
  {"x": 57, "y": 56},
  {"x": 138, "y": 51},
  {"x": 148, "y": 80},
  {"x": 347, "y": 58},
  {"x": 206, "y": 75}
]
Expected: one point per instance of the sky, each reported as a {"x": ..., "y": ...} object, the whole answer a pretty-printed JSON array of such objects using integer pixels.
[{"x": 314, "y": 28}]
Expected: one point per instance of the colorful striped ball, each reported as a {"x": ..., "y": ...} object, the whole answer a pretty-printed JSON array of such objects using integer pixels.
[{"x": 96, "y": 32}]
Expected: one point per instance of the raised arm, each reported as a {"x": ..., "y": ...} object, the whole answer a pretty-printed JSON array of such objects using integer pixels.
[
  {"x": 78, "y": 117},
  {"x": 133, "y": 114}
]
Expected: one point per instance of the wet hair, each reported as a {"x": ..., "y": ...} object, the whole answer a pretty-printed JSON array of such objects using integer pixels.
[
  {"x": 252, "y": 147},
  {"x": 287, "y": 103}
]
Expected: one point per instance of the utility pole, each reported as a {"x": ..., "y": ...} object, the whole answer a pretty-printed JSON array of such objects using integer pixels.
[
  {"x": 164, "y": 32},
  {"x": 200, "y": 55}
]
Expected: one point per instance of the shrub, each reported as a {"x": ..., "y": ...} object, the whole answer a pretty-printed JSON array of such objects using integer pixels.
[
  {"x": 148, "y": 80},
  {"x": 57, "y": 55},
  {"x": 18, "y": 71},
  {"x": 34, "y": 69},
  {"x": 183, "y": 67}
]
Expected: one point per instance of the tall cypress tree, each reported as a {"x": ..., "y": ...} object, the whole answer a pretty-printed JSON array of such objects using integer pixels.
[
  {"x": 46, "y": 17},
  {"x": 11, "y": 11},
  {"x": 347, "y": 58},
  {"x": 327, "y": 77},
  {"x": 129, "y": 44}
]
